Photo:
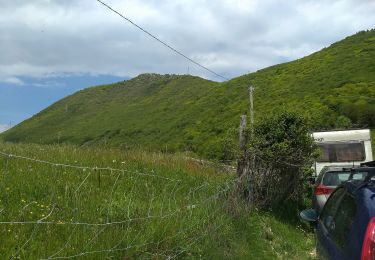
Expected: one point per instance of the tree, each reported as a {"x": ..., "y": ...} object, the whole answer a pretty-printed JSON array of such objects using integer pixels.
[{"x": 343, "y": 122}]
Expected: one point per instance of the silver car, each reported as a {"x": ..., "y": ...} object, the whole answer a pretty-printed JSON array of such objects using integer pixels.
[{"x": 329, "y": 178}]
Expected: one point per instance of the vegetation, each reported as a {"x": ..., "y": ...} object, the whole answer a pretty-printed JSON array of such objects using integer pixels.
[
  {"x": 333, "y": 88},
  {"x": 278, "y": 158},
  {"x": 156, "y": 206}
]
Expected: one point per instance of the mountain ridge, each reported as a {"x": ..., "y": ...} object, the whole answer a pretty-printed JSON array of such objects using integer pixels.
[{"x": 334, "y": 87}]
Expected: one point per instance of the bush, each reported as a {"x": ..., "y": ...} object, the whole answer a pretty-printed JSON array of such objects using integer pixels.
[{"x": 279, "y": 157}]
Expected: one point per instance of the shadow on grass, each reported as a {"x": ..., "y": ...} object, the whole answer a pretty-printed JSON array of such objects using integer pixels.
[{"x": 288, "y": 213}]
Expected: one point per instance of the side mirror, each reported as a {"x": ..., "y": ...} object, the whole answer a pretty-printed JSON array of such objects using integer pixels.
[{"x": 309, "y": 215}]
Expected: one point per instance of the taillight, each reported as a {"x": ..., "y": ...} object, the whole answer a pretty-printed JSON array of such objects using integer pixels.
[
  {"x": 368, "y": 247},
  {"x": 323, "y": 190}
]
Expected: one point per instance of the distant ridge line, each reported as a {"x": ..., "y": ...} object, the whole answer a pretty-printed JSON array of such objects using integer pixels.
[{"x": 162, "y": 42}]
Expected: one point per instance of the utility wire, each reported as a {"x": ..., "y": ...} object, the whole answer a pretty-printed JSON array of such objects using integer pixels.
[{"x": 162, "y": 42}]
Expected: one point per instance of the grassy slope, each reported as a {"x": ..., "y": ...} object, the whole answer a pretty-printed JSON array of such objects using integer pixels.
[
  {"x": 197, "y": 221},
  {"x": 190, "y": 113}
]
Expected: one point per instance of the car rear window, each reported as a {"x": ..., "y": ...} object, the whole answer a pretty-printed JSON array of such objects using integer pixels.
[
  {"x": 335, "y": 178},
  {"x": 361, "y": 174}
]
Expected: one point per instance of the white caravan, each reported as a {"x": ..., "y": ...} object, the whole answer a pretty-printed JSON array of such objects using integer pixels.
[{"x": 349, "y": 147}]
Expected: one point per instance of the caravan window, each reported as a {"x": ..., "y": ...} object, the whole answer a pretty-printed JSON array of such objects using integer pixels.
[{"x": 342, "y": 152}]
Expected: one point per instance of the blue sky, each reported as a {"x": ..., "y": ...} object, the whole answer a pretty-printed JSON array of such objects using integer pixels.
[
  {"x": 51, "y": 48},
  {"x": 22, "y": 100}
]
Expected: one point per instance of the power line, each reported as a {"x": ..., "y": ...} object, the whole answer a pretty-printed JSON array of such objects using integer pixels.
[{"x": 162, "y": 42}]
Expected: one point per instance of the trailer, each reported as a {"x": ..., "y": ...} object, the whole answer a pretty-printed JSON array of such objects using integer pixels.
[{"x": 343, "y": 148}]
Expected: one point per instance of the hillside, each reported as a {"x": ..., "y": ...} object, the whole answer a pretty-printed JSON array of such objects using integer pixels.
[{"x": 334, "y": 88}]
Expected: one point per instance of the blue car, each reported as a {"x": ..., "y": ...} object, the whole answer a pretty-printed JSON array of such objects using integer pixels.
[{"x": 345, "y": 228}]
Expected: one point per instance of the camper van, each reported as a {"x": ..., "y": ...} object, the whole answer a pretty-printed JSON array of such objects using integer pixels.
[{"x": 343, "y": 148}]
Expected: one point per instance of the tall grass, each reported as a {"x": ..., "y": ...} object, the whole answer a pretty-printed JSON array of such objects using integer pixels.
[{"x": 126, "y": 204}]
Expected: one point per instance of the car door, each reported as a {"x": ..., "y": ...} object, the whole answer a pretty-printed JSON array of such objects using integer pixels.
[{"x": 335, "y": 225}]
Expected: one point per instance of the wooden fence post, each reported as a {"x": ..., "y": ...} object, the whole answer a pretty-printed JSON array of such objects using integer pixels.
[
  {"x": 242, "y": 133},
  {"x": 241, "y": 163}
]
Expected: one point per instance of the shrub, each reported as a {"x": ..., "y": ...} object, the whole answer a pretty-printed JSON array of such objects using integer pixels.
[{"x": 279, "y": 157}]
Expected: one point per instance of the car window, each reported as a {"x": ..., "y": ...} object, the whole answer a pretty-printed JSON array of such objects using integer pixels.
[
  {"x": 361, "y": 175},
  {"x": 330, "y": 209},
  {"x": 343, "y": 219},
  {"x": 335, "y": 178}
]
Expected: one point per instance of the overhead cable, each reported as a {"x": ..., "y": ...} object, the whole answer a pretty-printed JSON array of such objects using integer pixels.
[{"x": 162, "y": 42}]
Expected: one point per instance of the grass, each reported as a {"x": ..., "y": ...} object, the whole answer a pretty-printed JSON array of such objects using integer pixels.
[
  {"x": 333, "y": 88},
  {"x": 157, "y": 206}
]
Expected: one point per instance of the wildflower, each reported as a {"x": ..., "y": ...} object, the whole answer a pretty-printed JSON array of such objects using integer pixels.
[
  {"x": 23, "y": 201},
  {"x": 114, "y": 161}
]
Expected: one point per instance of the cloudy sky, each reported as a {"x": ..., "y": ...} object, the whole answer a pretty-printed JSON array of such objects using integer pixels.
[{"x": 51, "y": 48}]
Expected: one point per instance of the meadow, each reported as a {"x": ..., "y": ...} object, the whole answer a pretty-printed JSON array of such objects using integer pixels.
[{"x": 66, "y": 202}]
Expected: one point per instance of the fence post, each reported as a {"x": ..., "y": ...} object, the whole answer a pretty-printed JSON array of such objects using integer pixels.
[
  {"x": 241, "y": 163},
  {"x": 242, "y": 135}
]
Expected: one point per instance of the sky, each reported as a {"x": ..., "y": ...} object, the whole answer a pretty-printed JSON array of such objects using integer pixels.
[{"x": 52, "y": 48}]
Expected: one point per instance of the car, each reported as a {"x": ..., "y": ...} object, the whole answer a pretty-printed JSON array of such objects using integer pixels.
[
  {"x": 329, "y": 178},
  {"x": 345, "y": 228}
]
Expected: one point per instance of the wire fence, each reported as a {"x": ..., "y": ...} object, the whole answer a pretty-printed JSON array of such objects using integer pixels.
[{"x": 132, "y": 212}]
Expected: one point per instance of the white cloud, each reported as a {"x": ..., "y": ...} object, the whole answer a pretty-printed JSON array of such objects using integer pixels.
[
  {"x": 232, "y": 37},
  {"x": 3, "y": 128},
  {"x": 12, "y": 80}
]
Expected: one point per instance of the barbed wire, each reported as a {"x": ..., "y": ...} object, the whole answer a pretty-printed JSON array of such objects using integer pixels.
[
  {"x": 9, "y": 155},
  {"x": 113, "y": 249},
  {"x": 189, "y": 207},
  {"x": 171, "y": 202}
]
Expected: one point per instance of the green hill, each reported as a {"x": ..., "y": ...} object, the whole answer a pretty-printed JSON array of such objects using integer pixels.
[{"x": 334, "y": 88}]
